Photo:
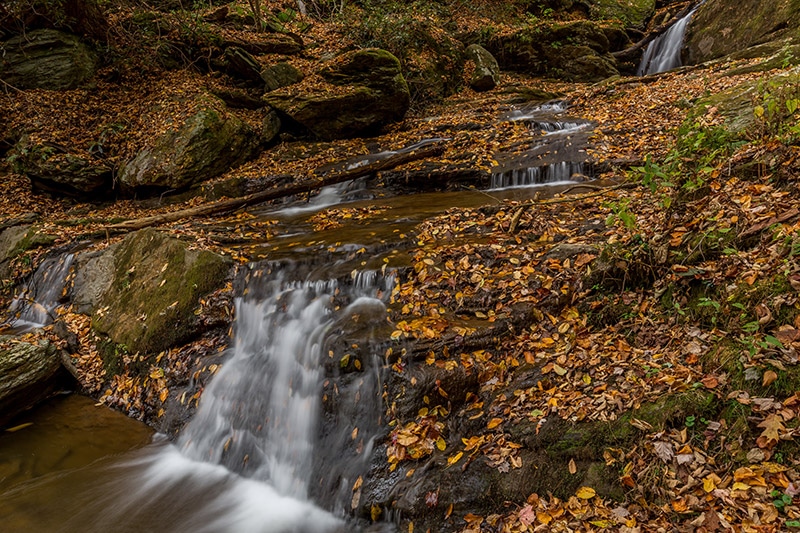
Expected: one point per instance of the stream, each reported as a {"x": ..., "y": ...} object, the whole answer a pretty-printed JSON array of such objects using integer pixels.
[{"x": 284, "y": 431}]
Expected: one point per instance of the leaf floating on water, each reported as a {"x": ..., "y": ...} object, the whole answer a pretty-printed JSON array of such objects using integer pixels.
[
  {"x": 17, "y": 428},
  {"x": 375, "y": 512}
]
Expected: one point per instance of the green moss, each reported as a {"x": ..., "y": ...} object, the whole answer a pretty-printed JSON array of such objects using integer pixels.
[
  {"x": 157, "y": 284},
  {"x": 35, "y": 238},
  {"x": 633, "y": 14}
]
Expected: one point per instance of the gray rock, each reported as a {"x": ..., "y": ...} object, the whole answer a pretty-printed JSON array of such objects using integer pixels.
[
  {"x": 203, "y": 146},
  {"x": 28, "y": 374},
  {"x": 270, "y": 127},
  {"x": 46, "y": 59},
  {"x": 486, "y": 73},
  {"x": 280, "y": 75},
  {"x": 94, "y": 273},
  {"x": 10, "y": 241},
  {"x": 371, "y": 92}
]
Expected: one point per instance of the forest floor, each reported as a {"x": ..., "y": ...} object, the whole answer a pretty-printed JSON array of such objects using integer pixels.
[{"x": 667, "y": 304}]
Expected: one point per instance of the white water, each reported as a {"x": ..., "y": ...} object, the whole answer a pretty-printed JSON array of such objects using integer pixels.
[
  {"x": 253, "y": 459},
  {"x": 664, "y": 52},
  {"x": 33, "y": 307},
  {"x": 556, "y": 174}
]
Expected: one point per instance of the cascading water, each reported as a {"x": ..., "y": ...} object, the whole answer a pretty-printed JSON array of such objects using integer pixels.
[
  {"x": 664, "y": 52},
  {"x": 34, "y": 305},
  {"x": 272, "y": 446}
]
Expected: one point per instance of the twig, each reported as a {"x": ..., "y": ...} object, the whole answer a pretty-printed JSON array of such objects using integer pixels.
[{"x": 473, "y": 189}]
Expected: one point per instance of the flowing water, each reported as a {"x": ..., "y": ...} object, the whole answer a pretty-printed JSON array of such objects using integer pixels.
[
  {"x": 664, "y": 52},
  {"x": 34, "y": 305},
  {"x": 288, "y": 425}
]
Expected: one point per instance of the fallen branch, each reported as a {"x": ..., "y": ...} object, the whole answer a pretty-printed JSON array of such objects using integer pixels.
[{"x": 223, "y": 206}]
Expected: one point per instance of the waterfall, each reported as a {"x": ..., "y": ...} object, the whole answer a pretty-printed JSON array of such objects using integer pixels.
[
  {"x": 664, "y": 52},
  {"x": 556, "y": 173},
  {"x": 33, "y": 307},
  {"x": 282, "y": 432}
]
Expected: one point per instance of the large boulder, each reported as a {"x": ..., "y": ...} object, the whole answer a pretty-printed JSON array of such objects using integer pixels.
[
  {"x": 365, "y": 91},
  {"x": 46, "y": 59},
  {"x": 722, "y": 27},
  {"x": 485, "y": 74},
  {"x": 51, "y": 167},
  {"x": 29, "y": 373},
  {"x": 148, "y": 305},
  {"x": 204, "y": 145}
]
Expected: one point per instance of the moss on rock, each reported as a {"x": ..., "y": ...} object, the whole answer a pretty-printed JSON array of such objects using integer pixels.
[{"x": 157, "y": 284}]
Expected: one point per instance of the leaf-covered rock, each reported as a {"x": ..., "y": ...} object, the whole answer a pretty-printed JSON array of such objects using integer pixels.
[
  {"x": 281, "y": 74},
  {"x": 486, "y": 74},
  {"x": 53, "y": 168},
  {"x": 367, "y": 90},
  {"x": 202, "y": 146},
  {"x": 156, "y": 286},
  {"x": 46, "y": 59}
]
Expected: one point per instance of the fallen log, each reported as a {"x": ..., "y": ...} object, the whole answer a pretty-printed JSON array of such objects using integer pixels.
[{"x": 231, "y": 204}]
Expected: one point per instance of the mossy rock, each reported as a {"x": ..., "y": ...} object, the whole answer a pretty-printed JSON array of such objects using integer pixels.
[
  {"x": 204, "y": 145},
  {"x": 158, "y": 281},
  {"x": 722, "y": 27},
  {"x": 52, "y": 168},
  {"x": 46, "y": 59},
  {"x": 29, "y": 373}
]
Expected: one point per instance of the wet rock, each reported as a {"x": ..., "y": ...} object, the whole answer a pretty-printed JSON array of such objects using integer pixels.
[
  {"x": 719, "y": 27},
  {"x": 53, "y": 168},
  {"x": 367, "y": 91},
  {"x": 94, "y": 273},
  {"x": 486, "y": 73},
  {"x": 157, "y": 283},
  {"x": 29, "y": 373},
  {"x": 200, "y": 147},
  {"x": 46, "y": 59},
  {"x": 282, "y": 74}
]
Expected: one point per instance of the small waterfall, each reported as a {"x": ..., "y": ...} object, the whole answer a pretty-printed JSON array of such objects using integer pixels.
[
  {"x": 565, "y": 171},
  {"x": 34, "y": 305},
  {"x": 664, "y": 52},
  {"x": 282, "y": 432}
]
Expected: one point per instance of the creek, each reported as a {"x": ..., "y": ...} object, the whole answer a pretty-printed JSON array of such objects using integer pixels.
[{"x": 288, "y": 426}]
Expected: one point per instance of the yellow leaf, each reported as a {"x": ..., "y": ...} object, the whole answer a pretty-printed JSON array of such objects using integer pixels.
[
  {"x": 740, "y": 486},
  {"x": 709, "y": 484},
  {"x": 494, "y": 422},
  {"x": 453, "y": 459},
  {"x": 375, "y": 512},
  {"x": 441, "y": 444},
  {"x": 586, "y": 493}
]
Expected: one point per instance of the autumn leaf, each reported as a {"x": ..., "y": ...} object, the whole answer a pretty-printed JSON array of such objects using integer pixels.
[{"x": 585, "y": 493}]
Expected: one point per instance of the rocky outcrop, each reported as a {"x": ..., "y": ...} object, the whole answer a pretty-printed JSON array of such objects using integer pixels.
[
  {"x": 271, "y": 43},
  {"x": 29, "y": 373},
  {"x": 148, "y": 302},
  {"x": 53, "y": 168},
  {"x": 46, "y": 59},
  {"x": 576, "y": 51},
  {"x": 721, "y": 27},
  {"x": 367, "y": 91},
  {"x": 485, "y": 74},
  {"x": 204, "y": 145}
]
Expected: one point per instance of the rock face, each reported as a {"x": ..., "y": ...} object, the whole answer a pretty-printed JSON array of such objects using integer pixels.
[
  {"x": 486, "y": 74},
  {"x": 10, "y": 241},
  {"x": 576, "y": 51},
  {"x": 280, "y": 75},
  {"x": 28, "y": 374},
  {"x": 52, "y": 168},
  {"x": 721, "y": 27},
  {"x": 46, "y": 59},
  {"x": 202, "y": 146},
  {"x": 148, "y": 305},
  {"x": 368, "y": 91}
]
